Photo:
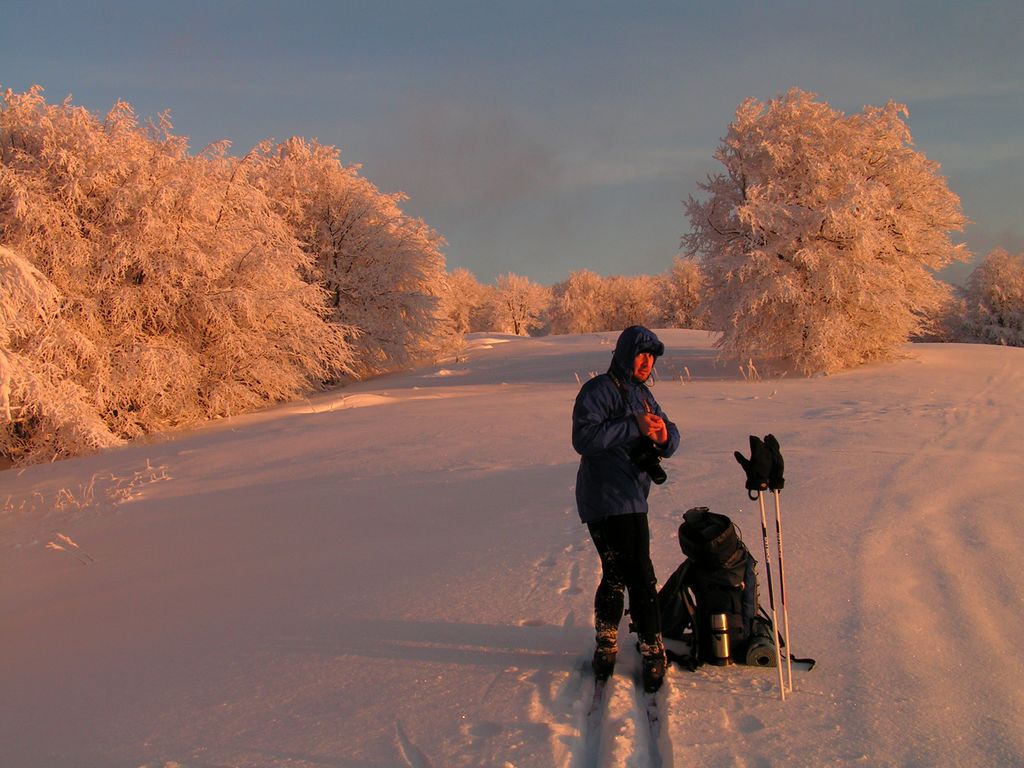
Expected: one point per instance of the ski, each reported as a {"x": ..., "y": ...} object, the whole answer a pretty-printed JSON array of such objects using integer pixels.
[
  {"x": 659, "y": 744},
  {"x": 593, "y": 719},
  {"x": 596, "y": 702},
  {"x": 650, "y": 702}
]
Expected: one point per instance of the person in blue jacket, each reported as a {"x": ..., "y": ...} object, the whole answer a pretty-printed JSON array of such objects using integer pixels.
[{"x": 614, "y": 420}]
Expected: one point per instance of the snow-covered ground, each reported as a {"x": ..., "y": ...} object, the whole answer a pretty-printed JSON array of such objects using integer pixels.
[{"x": 394, "y": 575}]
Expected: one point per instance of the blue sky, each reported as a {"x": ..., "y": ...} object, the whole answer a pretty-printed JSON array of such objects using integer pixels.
[{"x": 545, "y": 137}]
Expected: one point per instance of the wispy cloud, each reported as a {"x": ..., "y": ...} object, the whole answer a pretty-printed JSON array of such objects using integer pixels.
[
  {"x": 605, "y": 168},
  {"x": 463, "y": 153}
]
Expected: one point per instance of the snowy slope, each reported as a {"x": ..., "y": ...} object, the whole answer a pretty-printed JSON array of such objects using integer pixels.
[{"x": 394, "y": 575}]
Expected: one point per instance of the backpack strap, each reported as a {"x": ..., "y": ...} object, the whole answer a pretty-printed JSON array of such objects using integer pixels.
[{"x": 688, "y": 660}]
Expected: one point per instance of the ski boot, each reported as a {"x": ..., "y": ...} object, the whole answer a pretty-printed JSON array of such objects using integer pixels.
[
  {"x": 603, "y": 662},
  {"x": 654, "y": 664}
]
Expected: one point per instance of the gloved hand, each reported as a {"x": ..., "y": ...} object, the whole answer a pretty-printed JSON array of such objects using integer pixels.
[
  {"x": 775, "y": 479},
  {"x": 758, "y": 467}
]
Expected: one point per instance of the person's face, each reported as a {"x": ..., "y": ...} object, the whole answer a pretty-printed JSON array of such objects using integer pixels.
[{"x": 643, "y": 364}]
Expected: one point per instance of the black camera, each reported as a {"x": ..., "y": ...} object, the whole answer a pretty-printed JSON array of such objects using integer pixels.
[{"x": 647, "y": 457}]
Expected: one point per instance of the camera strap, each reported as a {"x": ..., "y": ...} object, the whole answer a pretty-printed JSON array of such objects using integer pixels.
[{"x": 625, "y": 395}]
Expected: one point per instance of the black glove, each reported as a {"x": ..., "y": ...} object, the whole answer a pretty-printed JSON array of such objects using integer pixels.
[
  {"x": 758, "y": 467},
  {"x": 775, "y": 479}
]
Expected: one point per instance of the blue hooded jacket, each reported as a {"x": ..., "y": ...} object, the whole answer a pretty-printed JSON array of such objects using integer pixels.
[{"x": 604, "y": 431}]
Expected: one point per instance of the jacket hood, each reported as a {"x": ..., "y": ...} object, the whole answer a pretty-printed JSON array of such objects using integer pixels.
[{"x": 633, "y": 341}]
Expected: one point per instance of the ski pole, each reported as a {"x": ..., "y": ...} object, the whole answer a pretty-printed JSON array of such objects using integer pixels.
[
  {"x": 782, "y": 586},
  {"x": 771, "y": 593}
]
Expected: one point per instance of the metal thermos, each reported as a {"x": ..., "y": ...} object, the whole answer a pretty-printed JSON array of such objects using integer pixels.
[{"x": 720, "y": 640}]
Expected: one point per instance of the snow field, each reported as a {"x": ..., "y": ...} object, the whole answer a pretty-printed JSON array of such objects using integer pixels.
[{"x": 408, "y": 584}]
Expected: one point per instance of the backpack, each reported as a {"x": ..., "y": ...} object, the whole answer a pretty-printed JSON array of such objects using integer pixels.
[{"x": 718, "y": 577}]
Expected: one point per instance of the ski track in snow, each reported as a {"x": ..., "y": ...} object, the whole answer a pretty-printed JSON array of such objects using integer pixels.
[
  {"x": 929, "y": 576},
  {"x": 411, "y": 754}
]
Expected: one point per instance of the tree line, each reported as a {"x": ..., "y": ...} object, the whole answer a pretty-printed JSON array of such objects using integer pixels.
[
  {"x": 143, "y": 287},
  {"x": 585, "y": 302}
]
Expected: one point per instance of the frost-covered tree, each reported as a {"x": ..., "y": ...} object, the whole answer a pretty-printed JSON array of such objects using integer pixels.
[
  {"x": 177, "y": 291},
  {"x": 681, "y": 290},
  {"x": 818, "y": 238},
  {"x": 383, "y": 270},
  {"x": 994, "y": 300},
  {"x": 587, "y": 302},
  {"x": 518, "y": 304},
  {"x": 632, "y": 300},
  {"x": 579, "y": 304},
  {"x": 465, "y": 301}
]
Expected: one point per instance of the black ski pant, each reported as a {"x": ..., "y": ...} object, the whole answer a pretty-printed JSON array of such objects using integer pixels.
[{"x": 624, "y": 544}]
